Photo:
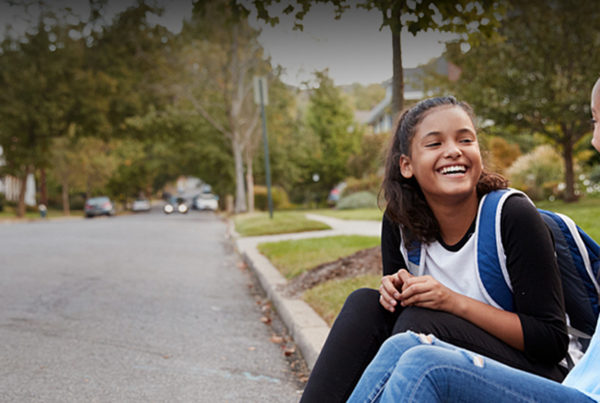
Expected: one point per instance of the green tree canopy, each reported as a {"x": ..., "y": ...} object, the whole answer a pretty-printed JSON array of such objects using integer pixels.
[
  {"x": 537, "y": 73},
  {"x": 330, "y": 118}
]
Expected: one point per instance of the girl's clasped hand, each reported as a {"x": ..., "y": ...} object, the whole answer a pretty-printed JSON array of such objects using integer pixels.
[{"x": 422, "y": 291}]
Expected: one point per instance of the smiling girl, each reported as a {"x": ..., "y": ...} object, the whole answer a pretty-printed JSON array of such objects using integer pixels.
[{"x": 434, "y": 183}]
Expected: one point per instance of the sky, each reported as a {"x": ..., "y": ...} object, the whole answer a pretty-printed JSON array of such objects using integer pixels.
[{"x": 353, "y": 49}]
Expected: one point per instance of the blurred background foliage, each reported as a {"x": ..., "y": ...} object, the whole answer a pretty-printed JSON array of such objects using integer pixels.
[{"x": 123, "y": 107}]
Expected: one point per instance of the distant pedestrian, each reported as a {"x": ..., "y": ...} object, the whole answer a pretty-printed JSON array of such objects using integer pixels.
[{"x": 43, "y": 210}]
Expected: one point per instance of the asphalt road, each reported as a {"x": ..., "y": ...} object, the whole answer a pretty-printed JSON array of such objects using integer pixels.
[{"x": 138, "y": 308}]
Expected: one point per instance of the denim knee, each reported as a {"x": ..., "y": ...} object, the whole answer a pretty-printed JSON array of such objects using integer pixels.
[{"x": 401, "y": 342}]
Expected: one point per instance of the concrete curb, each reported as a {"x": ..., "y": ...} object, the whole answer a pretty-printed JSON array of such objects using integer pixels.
[{"x": 307, "y": 328}]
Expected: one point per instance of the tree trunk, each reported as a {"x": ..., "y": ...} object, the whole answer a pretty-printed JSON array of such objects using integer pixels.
[
  {"x": 398, "y": 72},
  {"x": 22, "y": 190},
  {"x": 567, "y": 147},
  {"x": 250, "y": 182},
  {"x": 65, "y": 198},
  {"x": 240, "y": 193},
  {"x": 43, "y": 187}
]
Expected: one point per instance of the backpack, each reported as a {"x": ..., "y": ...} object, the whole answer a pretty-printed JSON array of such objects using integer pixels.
[{"x": 578, "y": 257}]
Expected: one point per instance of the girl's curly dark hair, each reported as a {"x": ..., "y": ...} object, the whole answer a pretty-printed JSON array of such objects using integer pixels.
[{"x": 405, "y": 202}]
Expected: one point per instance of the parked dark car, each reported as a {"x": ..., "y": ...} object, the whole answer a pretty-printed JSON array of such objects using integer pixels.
[
  {"x": 176, "y": 204},
  {"x": 101, "y": 205}
]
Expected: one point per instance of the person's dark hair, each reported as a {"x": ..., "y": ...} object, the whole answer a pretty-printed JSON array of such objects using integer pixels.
[{"x": 405, "y": 202}]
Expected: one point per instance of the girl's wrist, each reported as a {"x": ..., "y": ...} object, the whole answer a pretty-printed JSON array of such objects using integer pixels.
[{"x": 458, "y": 305}]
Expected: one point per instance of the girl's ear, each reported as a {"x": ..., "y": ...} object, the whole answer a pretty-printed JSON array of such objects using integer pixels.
[{"x": 405, "y": 167}]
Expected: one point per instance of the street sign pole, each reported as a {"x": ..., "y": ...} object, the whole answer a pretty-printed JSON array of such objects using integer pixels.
[{"x": 261, "y": 91}]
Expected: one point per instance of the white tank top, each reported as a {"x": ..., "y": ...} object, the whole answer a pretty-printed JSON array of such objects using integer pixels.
[{"x": 456, "y": 270}]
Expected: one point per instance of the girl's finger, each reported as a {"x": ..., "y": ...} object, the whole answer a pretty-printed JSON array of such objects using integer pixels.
[
  {"x": 423, "y": 299},
  {"x": 386, "y": 303},
  {"x": 389, "y": 288}
]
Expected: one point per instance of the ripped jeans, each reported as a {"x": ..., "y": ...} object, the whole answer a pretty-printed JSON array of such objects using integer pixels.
[{"x": 412, "y": 367}]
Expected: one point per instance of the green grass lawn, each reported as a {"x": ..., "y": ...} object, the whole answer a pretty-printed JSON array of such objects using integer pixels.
[
  {"x": 281, "y": 223},
  {"x": 294, "y": 257},
  {"x": 327, "y": 298},
  {"x": 8, "y": 213},
  {"x": 585, "y": 213},
  {"x": 356, "y": 214}
]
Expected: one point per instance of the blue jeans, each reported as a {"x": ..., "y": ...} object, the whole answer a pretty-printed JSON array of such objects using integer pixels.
[{"x": 412, "y": 367}]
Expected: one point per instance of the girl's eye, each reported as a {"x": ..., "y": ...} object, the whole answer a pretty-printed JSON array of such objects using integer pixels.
[
  {"x": 434, "y": 144},
  {"x": 467, "y": 140}
]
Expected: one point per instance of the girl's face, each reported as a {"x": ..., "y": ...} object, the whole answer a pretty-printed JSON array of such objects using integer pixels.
[
  {"x": 596, "y": 116},
  {"x": 445, "y": 157}
]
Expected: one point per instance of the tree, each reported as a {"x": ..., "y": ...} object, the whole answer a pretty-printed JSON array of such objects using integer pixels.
[
  {"x": 66, "y": 164},
  {"x": 330, "y": 118},
  {"x": 365, "y": 98},
  {"x": 455, "y": 16},
  {"x": 219, "y": 58},
  {"x": 38, "y": 102},
  {"x": 536, "y": 75},
  {"x": 179, "y": 142}
]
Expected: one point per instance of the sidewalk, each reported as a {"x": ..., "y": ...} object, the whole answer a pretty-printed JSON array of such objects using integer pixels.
[{"x": 307, "y": 328}]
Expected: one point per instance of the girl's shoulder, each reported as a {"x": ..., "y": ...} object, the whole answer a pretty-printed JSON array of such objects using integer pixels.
[
  {"x": 520, "y": 218},
  {"x": 518, "y": 206}
]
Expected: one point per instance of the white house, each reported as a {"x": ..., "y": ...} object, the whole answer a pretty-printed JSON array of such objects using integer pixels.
[
  {"x": 380, "y": 117},
  {"x": 10, "y": 186}
]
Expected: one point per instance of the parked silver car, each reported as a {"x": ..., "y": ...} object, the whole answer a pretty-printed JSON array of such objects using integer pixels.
[
  {"x": 206, "y": 201},
  {"x": 96, "y": 206},
  {"x": 140, "y": 205}
]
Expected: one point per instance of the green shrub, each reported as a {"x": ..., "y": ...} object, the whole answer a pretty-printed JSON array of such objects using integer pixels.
[
  {"x": 595, "y": 174},
  {"x": 358, "y": 200},
  {"x": 279, "y": 195},
  {"x": 370, "y": 183},
  {"x": 76, "y": 202},
  {"x": 538, "y": 173},
  {"x": 2, "y": 201}
]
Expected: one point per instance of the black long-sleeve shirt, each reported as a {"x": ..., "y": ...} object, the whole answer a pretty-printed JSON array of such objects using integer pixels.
[{"x": 533, "y": 271}]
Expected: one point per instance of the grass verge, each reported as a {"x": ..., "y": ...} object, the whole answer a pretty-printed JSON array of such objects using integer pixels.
[
  {"x": 8, "y": 213},
  {"x": 327, "y": 298},
  {"x": 296, "y": 256},
  {"x": 282, "y": 222},
  {"x": 585, "y": 213},
  {"x": 373, "y": 214}
]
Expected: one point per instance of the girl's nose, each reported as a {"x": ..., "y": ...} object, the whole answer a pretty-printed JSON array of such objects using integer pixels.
[{"x": 452, "y": 151}]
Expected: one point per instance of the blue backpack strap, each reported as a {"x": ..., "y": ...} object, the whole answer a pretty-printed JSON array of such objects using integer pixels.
[
  {"x": 493, "y": 276},
  {"x": 413, "y": 257},
  {"x": 578, "y": 258},
  {"x": 414, "y": 254}
]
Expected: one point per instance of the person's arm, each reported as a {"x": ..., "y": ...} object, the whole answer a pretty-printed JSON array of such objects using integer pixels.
[
  {"x": 392, "y": 262},
  {"x": 427, "y": 292},
  {"x": 391, "y": 257},
  {"x": 535, "y": 279},
  {"x": 538, "y": 325}
]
